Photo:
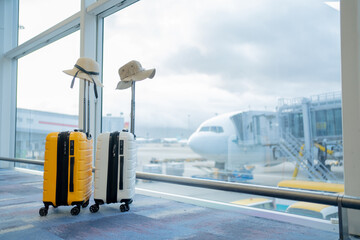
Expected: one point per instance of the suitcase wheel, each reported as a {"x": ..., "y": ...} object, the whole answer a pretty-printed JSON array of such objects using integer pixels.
[
  {"x": 43, "y": 211},
  {"x": 124, "y": 207},
  {"x": 94, "y": 208},
  {"x": 85, "y": 204},
  {"x": 75, "y": 210}
]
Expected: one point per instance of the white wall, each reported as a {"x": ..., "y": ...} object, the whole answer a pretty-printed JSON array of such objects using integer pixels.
[{"x": 350, "y": 67}]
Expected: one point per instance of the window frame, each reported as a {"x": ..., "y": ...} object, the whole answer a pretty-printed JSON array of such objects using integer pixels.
[{"x": 89, "y": 21}]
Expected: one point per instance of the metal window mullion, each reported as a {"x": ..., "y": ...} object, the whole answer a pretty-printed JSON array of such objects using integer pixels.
[
  {"x": 104, "y": 8},
  {"x": 87, "y": 49},
  {"x": 99, "y": 59},
  {"x": 8, "y": 75},
  {"x": 343, "y": 221},
  {"x": 53, "y": 34}
]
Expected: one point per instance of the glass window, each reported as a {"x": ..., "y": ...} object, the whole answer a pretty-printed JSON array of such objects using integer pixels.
[
  {"x": 297, "y": 125},
  {"x": 36, "y": 16},
  {"x": 330, "y": 131},
  {"x": 227, "y": 63},
  {"x": 338, "y": 121},
  {"x": 321, "y": 123},
  {"x": 44, "y": 97}
]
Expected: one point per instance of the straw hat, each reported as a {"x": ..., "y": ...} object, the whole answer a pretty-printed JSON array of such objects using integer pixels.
[
  {"x": 133, "y": 71},
  {"x": 86, "y": 69}
]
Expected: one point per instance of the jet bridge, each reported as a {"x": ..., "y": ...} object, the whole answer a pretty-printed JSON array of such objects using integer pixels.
[
  {"x": 256, "y": 133},
  {"x": 303, "y": 122},
  {"x": 256, "y": 128}
]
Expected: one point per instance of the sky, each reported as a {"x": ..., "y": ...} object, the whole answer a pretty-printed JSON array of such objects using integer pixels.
[{"x": 211, "y": 57}]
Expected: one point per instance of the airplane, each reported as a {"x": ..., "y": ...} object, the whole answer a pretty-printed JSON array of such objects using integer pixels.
[
  {"x": 169, "y": 140},
  {"x": 236, "y": 139},
  {"x": 183, "y": 142}
]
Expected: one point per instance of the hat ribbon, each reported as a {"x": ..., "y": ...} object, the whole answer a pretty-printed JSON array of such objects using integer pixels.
[{"x": 88, "y": 73}]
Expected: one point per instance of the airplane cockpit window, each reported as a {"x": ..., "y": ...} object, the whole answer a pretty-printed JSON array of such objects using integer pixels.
[
  {"x": 204, "y": 129},
  {"x": 216, "y": 129},
  {"x": 219, "y": 129}
]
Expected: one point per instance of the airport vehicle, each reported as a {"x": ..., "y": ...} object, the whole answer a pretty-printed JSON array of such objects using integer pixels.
[
  {"x": 314, "y": 210},
  {"x": 312, "y": 186},
  {"x": 311, "y": 209},
  {"x": 263, "y": 203}
]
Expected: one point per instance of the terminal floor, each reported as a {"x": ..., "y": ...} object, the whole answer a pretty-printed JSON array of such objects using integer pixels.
[{"x": 148, "y": 218}]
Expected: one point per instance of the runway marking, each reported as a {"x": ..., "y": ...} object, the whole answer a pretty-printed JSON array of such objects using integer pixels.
[{"x": 13, "y": 229}]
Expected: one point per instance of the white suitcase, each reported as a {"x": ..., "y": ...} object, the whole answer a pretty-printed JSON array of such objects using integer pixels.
[{"x": 115, "y": 170}]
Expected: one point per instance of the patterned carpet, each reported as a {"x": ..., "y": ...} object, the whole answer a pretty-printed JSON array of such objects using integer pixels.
[{"x": 148, "y": 218}]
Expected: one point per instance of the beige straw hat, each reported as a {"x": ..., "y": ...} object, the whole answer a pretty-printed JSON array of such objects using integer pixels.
[
  {"x": 133, "y": 71},
  {"x": 86, "y": 69}
]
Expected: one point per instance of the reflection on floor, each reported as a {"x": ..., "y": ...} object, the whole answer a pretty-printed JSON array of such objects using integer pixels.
[{"x": 148, "y": 218}]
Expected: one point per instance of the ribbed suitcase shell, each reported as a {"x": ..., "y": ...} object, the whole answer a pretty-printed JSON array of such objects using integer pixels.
[
  {"x": 81, "y": 164},
  {"x": 126, "y": 175}
]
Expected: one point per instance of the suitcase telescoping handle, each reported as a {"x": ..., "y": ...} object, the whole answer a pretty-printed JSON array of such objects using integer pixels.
[
  {"x": 129, "y": 74},
  {"x": 132, "y": 114},
  {"x": 86, "y": 114}
]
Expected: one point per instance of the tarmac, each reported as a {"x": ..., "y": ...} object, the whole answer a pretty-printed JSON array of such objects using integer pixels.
[{"x": 149, "y": 218}]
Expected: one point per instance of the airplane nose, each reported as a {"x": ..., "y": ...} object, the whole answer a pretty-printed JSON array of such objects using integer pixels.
[
  {"x": 208, "y": 144},
  {"x": 195, "y": 143}
]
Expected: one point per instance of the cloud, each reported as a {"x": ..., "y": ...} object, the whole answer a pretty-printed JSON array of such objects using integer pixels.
[
  {"x": 274, "y": 46},
  {"x": 211, "y": 56},
  {"x": 221, "y": 56}
]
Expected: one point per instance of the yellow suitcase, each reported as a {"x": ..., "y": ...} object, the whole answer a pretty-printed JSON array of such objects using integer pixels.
[{"x": 67, "y": 171}]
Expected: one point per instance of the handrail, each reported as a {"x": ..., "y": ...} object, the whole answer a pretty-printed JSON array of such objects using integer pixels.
[
  {"x": 23, "y": 160},
  {"x": 28, "y": 161},
  {"x": 276, "y": 192},
  {"x": 339, "y": 200}
]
